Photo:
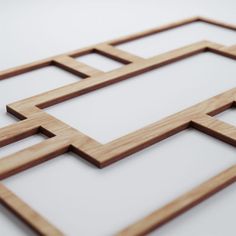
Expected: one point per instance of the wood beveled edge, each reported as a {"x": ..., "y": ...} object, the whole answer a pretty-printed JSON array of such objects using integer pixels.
[
  {"x": 78, "y": 68},
  {"x": 181, "y": 204},
  {"x": 25, "y": 213},
  {"x": 48, "y": 61}
]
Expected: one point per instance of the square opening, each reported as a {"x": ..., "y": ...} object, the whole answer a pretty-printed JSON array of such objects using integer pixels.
[
  {"x": 21, "y": 144},
  {"x": 10, "y": 225},
  {"x": 99, "y": 62},
  {"x": 80, "y": 199},
  {"x": 179, "y": 37},
  {"x": 31, "y": 83},
  {"x": 121, "y": 108},
  {"x": 215, "y": 216},
  {"x": 228, "y": 116}
]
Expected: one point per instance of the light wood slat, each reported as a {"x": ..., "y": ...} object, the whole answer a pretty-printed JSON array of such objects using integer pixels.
[
  {"x": 181, "y": 204},
  {"x": 33, "y": 155},
  {"x": 216, "y": 128},
  {"x": 27, "y": 214},
  {"x": 76, "y": 67},
  {"x": 24, "y": 68},
  {"x": 17, "y": 131},
  {"x": 117, "y": 54},
  {"x": 231, "y": 49}
]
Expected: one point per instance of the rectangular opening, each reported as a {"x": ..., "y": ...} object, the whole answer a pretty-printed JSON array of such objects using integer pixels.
[
  {"x": 99, "y": 62},
  {"x": 116, "y": 110},
  {"x": 179, "y": 37},
  {"x": 33, "y": 83},
  {"x": 21, "y": 144},
  {"x": 80, "y": 199},
  {"x": 215, "y": 216},
  {"x": 228, "y": 116},
  {"x": 10, "y": 225}
]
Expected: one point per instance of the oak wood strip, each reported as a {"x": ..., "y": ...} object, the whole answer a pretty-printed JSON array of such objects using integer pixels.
[
  {"x": 19, "y": 130},
  {"x": 24, "y": 68},
  {"x": 217, "y": 23},
  {"x": 33, "y": 155},
  {"x": 216, "y": 128},
  {"x": 117, "y": 54},
  {"x": 76, "y": 67},
  {"x": 231, "y": 49},
  {"x": 181, "y": 204},
  {"x": 27, "y": 214}
]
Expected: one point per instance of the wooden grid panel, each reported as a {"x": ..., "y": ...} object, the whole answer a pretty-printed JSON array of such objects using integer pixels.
[{"x": 63, "y": 138}]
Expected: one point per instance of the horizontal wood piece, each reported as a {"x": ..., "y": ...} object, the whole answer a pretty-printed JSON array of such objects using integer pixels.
[
  {"x": 75, "y": 67},
  {"x": 63, "y": 138},
  {"x": 117, "y": 54}
]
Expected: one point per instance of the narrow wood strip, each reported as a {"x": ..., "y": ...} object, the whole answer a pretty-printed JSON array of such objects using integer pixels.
[
  {"x": 17, "y": 131},
  {"x": 217, "y": 23},
  {"x": 24, "y": 68},
  {"x": 33, "y": 155},
  {"x": 76, "y": 67},
  {"x": 117, "y": 54},
  {"x": 181, "y": 204},
  {"x": 231, "y": 49},
  {"x": 27, "y": 214},
  {"x": 216, "y": 128},
  {"x": 140, "y": 139}
]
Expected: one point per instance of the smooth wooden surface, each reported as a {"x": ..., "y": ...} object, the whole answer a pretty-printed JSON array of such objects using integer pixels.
[{"x": 63, "y": 138}]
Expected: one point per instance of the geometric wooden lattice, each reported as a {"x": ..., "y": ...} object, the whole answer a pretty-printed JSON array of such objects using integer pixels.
[{"x": 63, "y": 138}]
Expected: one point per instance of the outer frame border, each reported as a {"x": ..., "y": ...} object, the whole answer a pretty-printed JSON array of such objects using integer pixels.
[{"x": 64, "y": 138}]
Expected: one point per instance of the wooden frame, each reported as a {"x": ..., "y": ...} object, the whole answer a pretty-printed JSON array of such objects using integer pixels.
[{"x": 63, "y": 138}]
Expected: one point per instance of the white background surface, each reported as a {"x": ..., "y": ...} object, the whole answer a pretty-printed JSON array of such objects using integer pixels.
[{"x": 33, "y": 30}]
